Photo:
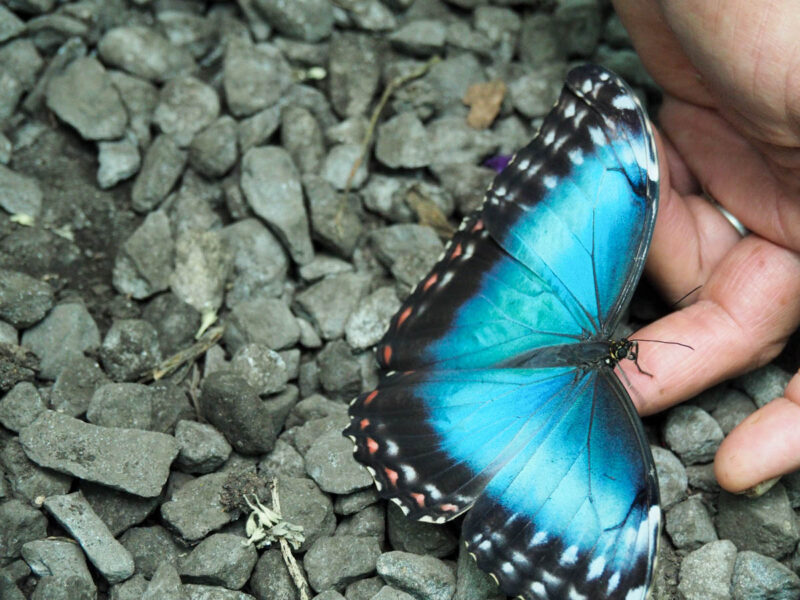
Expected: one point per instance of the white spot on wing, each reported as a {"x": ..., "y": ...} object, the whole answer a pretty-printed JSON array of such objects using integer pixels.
[
  {"x": 613, "y": 583},
  {"x": 576, "y": 156},
  {"x": 623, "y": 102},
  {"x": 549, "y": 181},
  {"x": 569, "y": 110},
  {"x": 597, "y": 136},
  {"x": 596, "y": 568},
  {"x": 570, "y": 556},
  {"x": 538, "y": 538}
]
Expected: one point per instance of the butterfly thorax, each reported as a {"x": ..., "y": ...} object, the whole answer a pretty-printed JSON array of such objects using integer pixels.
[{"x": 589, "y": 354}]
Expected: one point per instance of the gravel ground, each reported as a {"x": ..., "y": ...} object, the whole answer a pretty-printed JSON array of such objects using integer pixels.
[{"x": 169, "y": 166}]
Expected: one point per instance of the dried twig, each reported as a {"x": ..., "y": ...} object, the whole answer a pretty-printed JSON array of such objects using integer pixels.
[{"x": 193, "y": 352}]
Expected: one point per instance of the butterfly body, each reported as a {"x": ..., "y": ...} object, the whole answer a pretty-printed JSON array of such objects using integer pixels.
[{"x": 499, "y": 395}]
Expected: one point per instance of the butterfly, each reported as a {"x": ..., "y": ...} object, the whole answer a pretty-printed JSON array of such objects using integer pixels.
[{"x": 499, "y": 395}]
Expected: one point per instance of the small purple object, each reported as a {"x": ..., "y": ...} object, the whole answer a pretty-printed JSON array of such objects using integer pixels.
[{"x": 498, "y": 163}]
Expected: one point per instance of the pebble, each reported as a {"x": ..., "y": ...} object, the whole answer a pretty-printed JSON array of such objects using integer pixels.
[
  {"x": 231, "y": 405},
  {"x": 19, "y": 524},
  {"x": 420, "y": 38},
  {"x": 194, "y": 591},
  {"x": 271, "y": 579},
  {"x": 336, "y": 220},
  {"x": 165, "y": 585},
  {"x": 307, "y": 20},
  {"x": 27, "y": 479},
  {"x": 689, "y": 525},
  {"x": 765, "y": 384},
  {"x": 10, "y": 25},
  {"x": 452, "y": 140},
  {"x": 203, "y": 449},
  {"x": 333, "y": 562},
  {"x": 262, "y": 368},
  {"x": 766, "y": 524},
  {"x": 706, "y": 573},
  {"x": 195, "y": 509},
  {"x": 266, "y": 321},
  {"x": 368, "y": 323},
  {"x": 145, "y": 261},
  {"x": 220, "y": 559},
  {"x": 354, "y": 72},
  {"x": 329, "y": 302},
  {"x": 303, "y": 504},
  {"x": 369, "y": 522},
  {"x": 151, "y": 548},
  {"x": 418, "y": 537},
  {"x": 202, "y": 266},
  {"x": 757, "y": 577},
  {"x": 127, "y": 405},
  {"x": 213, "y": 150},
  {"x": 258, "y": 129},
  {"x": 534, "y": 92},
  {"x": 186, "y": 105},
  {"x": 363, "y": 589},
  {"x": 339, "y": 164},
  {"x": 733, "y": 408},
  {"x": 24, "y": 300},
  {"x": 403, "y": 143},
  {"x": 65, "y": 333},
  {"x": 84, "y": 97},
  {"x": 424, "y": 577},
  {"x": 283, "y": 460},
  {"x": 581, "y": 26},
  {"x": 260, "y": 263},
  {"x": 672, "y": 477},
  {"x": 21, "y": 194},
  {"x": 131, "y": 460},
  {"x": 692, "y": 434},
  {"x": 75, "y": 385},
  {"x": 56, "y": 557},
  {"x": 471, "y": 582},
  {"x": 409, "y": 251},
  {"x": 163, "y": 164},
  {"x": 302, "y": 137},
  {"x": 64, "y": 587},
  {"x": 255, "y": 77},
  {"x": 140, "y": 98},
  {"x": 130, "y": 349},
  {"x": 118, "y": 160},
  {"x": 142, "y": 51},
  {"x": 175, "y": 322},
  {"x": 272, "y": 187},
  {"x": 110, "y": 557},
  {"x": 391, "y": 197},
  {"x": 330, "y": 463},
  {"x": 465, "y": 183},
  {"x": 20, "y": 406}
]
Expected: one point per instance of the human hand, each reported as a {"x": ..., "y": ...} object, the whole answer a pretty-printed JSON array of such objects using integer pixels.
[{"x": 730, "y": 126}]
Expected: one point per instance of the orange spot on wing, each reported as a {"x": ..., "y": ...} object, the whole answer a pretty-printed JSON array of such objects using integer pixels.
[
  {"x": 456, "y": 251},
  {"x": 391, "y": 475},
  {"x": 430, "y": 281},
  {"x": 449, "y": 508},
  {"x": 372, "y": 446},
  {"x": 418, "y": 498},
  {"x": 364, "y": 423},
  {"x": 403, "y": 315},
  {"x": 387, "y": 354},
  {"x": 478, "y": 225},
  {"x": 370, "y": 397}
]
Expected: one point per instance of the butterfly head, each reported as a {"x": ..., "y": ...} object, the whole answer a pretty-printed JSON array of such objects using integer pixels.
[{"x": 622, "y": 349}]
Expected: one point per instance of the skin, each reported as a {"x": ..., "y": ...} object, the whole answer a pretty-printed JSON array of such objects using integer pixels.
[{"x": 730, "y": 125}]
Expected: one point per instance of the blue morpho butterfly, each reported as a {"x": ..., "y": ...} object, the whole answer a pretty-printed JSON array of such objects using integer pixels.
[{"x": 500, "y": 395}]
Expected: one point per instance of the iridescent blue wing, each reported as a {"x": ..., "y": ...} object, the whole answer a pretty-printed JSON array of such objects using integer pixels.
[
  {"x": 552, "y": 461},
  {"x": 555, "y": 253}
]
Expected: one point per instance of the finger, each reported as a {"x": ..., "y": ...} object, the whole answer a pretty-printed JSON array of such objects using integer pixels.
[
  {"x": 742, "y": 319},
  {"x": 764, "y": 445},
  {"x": 733, "y": 172}
]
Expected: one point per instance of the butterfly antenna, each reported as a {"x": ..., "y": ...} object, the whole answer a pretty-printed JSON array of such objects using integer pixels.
[
  {"x": 685, "y": 296},
  {"x": 663, "y": 342}
]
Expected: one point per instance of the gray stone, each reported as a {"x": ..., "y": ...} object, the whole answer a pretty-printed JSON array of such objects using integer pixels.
[
  {"x": 352, "y": 503},
  {"x": 451, "y": 78},
  {"x": 262, "y": 368},
  {"x": 396, "y": 198},
  {"x": 692, "y": 434},
  {"x": 308, "y": 20},
  {"x": 165, "y": 585},
  {"x": 127, "y": 405},
  {"x": 705, "y": 574},
  {"x": 418, "y": 537},
  {"x": 409, "y": 251},
  {"x": 11, "y": 93},
  {"x": 266, "y": 321},
  {"x": 27, "y": 479},
  {"x": 304, "y": 436},
  {"x": 258, "y": 129},
  {"x": 118, "y": 510},
  {"x": 20, "y": 406},
  {"x": 333, "y": 562},
  {"x": 672, "y": 478},
  {"x": 420, "y": 38},
  {"x": 303, "y": 504},
  {"x": 335, "y": 218},
  {"x": 10, "y": 25},
  {"x": 21, "y": 59},
  {"x": 272, "y": 187},
  {"x": 732, "y": 410},
  {"x": 423, "y": 577},
  {"x": 202, "y": 265},
  {"x": 330, "y": 462},
  {"x": 339, "y": 165},
  {"x": 301, "y": 135},
  {"x": 19, "y": 524},
  {"x": 689, "y": 525},
  {"x": 9, "y": 590},
  {"x": 255, "y": 77},
  {"x": 84, "y": 97},
  {"x": 162, "y": 166},
  {"x": 186, "y": 106},
  {"x": 16, "y": 364},
  {"x": 284, "y": 460},
  {"x": 229, "y": 403},
  {"x": 367, "y": 324},
  {"x": 354, "y": 70},
  {"x": 465, "y": 183},
  {"x": 151, "y": 547},
  {"x": 21, "y": 195},
  {"x": 271, "y": 579},
  {"x": 534, "y": 92},
  {"x": 203, "y": 448},
  {"x": 352, "y": 130},
  {"x": 580, "y": 24},
  {"x": 540, "y": 41},
  {"x": 77, "y": 517},
  {"x": 471, "y": 582},
  {"x": 175, "y": 322},
  {"x": 329, "y": 302},
  {"x": 363, "y": 589},
  {"x": 75, "y": 385},
  {"x": 132, "y": 589},
  {"x": 130, "y": 349},
  {"x": 339, "y": 370},
  {"x": 24, "y": 300},
  {"x": 389, "y": 593},
  {"x": 64, "y": 333},
  {"x": 702, "y": 477},
  {"x": 757, "y": 577},
  {"x": 766, "y": 524},
  {"x": 145, "y": 260},
  {"x": 369, "y": 522},
  {"x": 118, "y": 161},
  {"x": 198, "y": 33},
  {"x": 127, "y": 459},
  {"x": 259, "y": 261},
  {"x": 64, "y": 587},
  {"x": 196, "y": 591},
  {"x": 765, "y": 384},
  {"x": 213, "y": 150},
  {"x": 195, "y": 509},
  {"x": 142, "y": 51},
  {"x": 452, "y": 140},
  {"x": 220, "y": 559},
  {"x": 140, "y": 98},
  {"x": 56, "y": 557},
  {"x": 403, "y": 142}
]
